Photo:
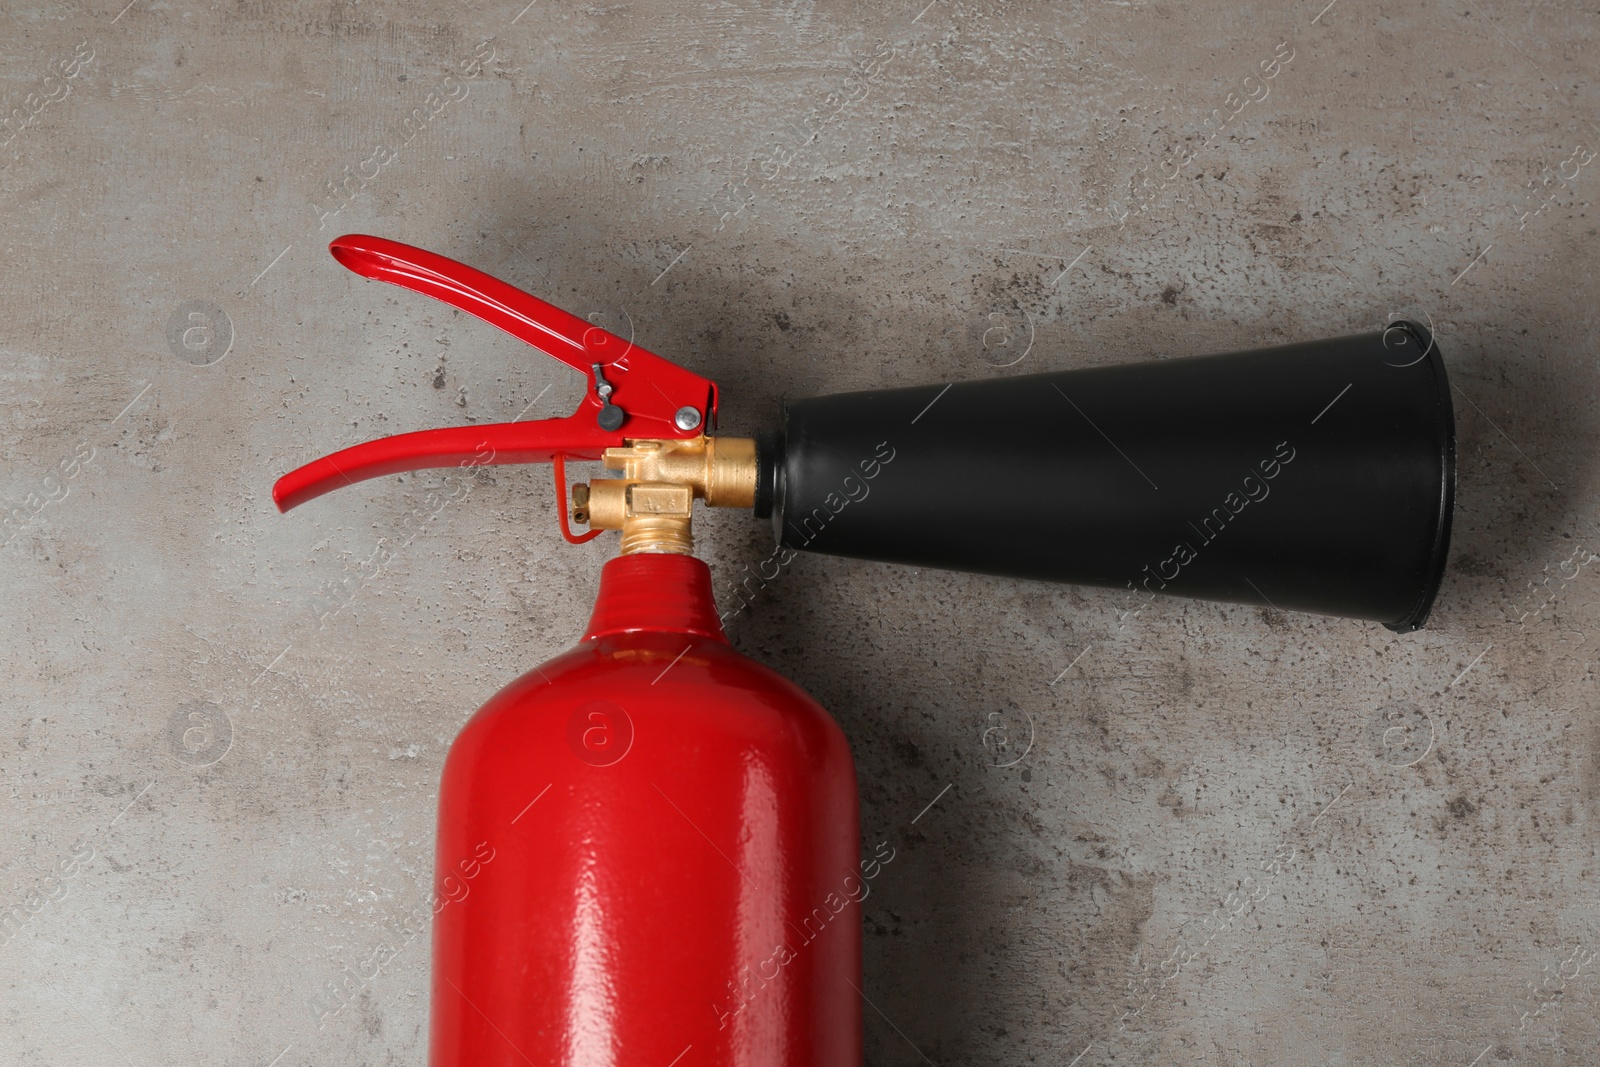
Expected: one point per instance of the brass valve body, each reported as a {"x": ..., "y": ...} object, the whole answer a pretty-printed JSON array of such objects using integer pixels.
[{"x": 661, "y": 479}]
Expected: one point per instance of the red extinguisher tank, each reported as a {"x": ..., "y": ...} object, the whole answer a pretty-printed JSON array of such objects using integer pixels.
[{"x": 646, "y": 853}]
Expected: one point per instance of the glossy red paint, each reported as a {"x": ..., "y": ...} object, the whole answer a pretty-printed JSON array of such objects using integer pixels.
[
  {"x": 648, "y": 389},
  {"x": 670, "y": 825}
]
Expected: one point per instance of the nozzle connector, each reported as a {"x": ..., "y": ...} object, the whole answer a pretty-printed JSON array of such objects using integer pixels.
[{"x": 651, "y": 503}]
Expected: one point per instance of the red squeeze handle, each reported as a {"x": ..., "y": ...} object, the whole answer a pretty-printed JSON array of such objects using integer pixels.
[{"x": 647, "y": 391}]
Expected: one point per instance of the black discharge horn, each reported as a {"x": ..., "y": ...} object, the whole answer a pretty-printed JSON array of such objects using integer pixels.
[{"x": 1314, "y": 477}]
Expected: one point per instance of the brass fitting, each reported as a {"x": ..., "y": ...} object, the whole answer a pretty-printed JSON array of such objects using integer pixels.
[{"x": 661, "y": 479}]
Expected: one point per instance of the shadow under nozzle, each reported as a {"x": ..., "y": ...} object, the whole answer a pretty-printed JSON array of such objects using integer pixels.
[{"x": 1314, "y": 477}]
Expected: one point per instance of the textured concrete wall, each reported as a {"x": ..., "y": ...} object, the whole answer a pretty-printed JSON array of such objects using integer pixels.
[{"x": 216, "y": 804}]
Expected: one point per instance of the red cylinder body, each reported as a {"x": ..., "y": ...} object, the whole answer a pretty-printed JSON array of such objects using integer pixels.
[{"x": 646, "y": 853}]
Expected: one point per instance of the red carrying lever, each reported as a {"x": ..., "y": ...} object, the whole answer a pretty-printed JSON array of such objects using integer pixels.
[{"x": 632, "y": 393}]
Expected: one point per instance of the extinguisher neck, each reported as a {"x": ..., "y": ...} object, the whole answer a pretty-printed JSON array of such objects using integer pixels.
[{"x": 649, "y": 591}]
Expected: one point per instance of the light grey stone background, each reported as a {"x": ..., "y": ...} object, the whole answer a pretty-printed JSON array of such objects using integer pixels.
[{"x": 214, "y": 807}]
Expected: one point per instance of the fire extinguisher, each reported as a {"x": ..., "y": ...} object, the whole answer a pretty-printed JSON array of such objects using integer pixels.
[{"x": 660, "y": 833}]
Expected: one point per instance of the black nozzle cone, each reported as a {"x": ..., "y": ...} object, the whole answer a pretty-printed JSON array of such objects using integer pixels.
[{"x": 1313, "y": 477}]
